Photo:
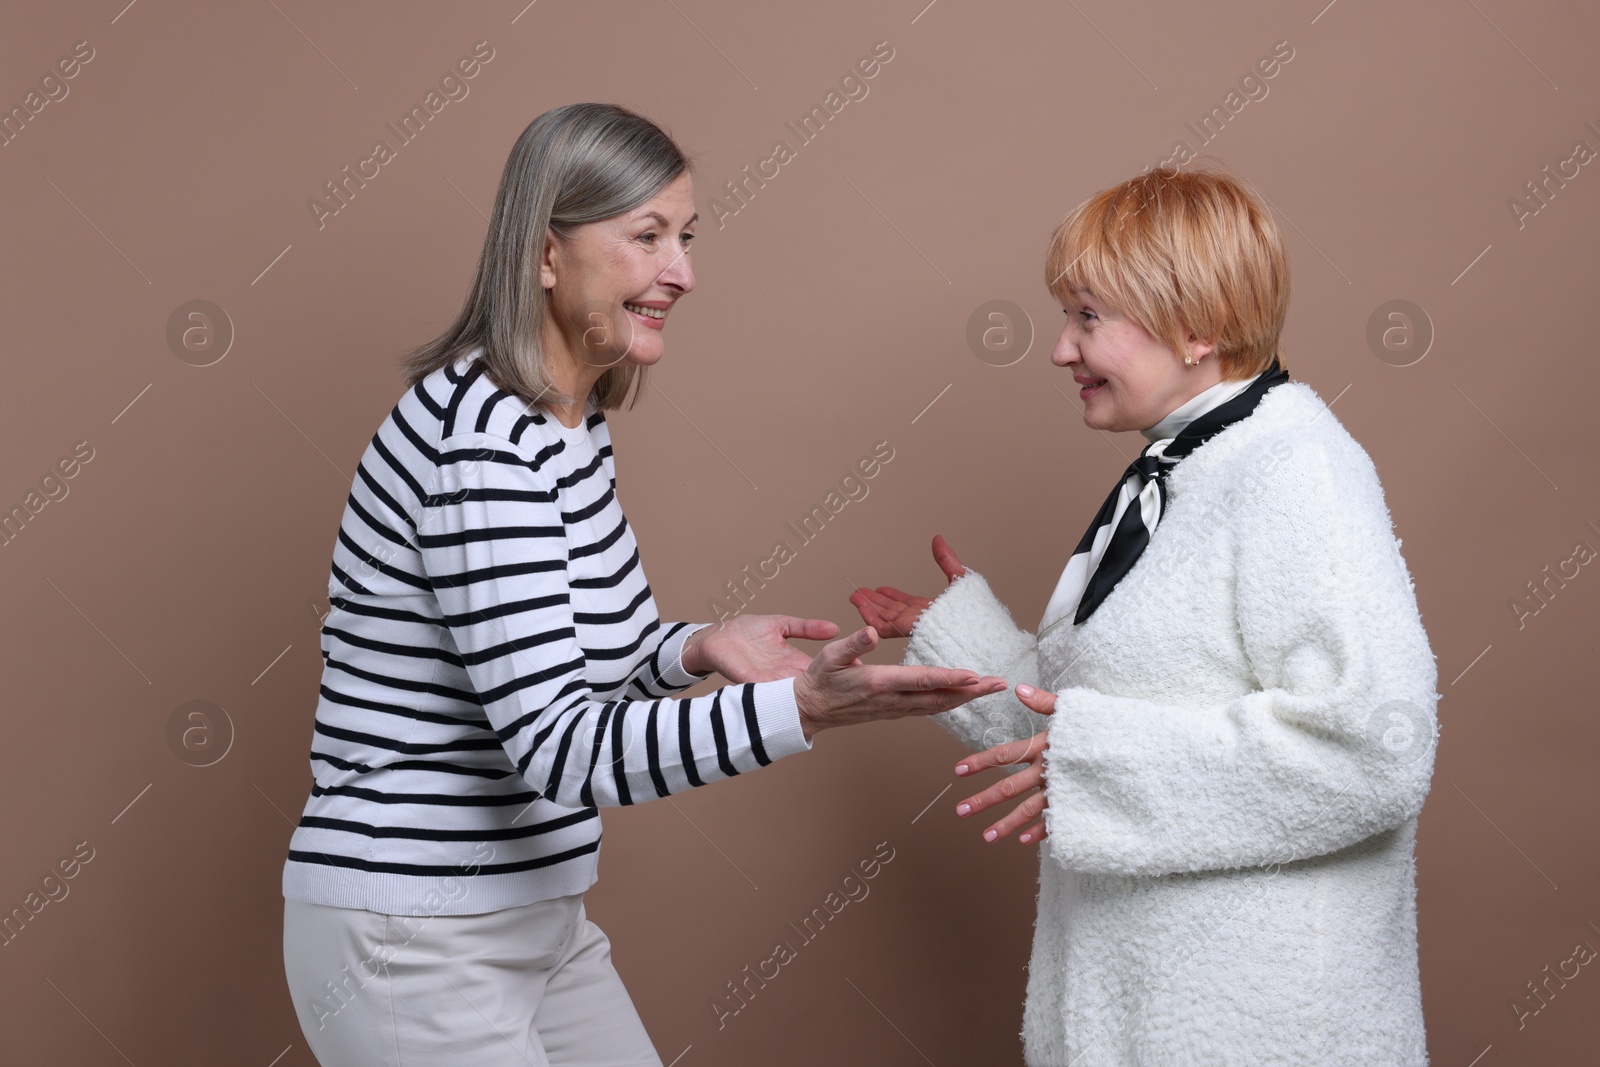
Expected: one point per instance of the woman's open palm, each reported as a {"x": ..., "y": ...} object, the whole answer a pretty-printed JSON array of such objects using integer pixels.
[
  {"x": 893, "y": 613},
  {"x": 756, "y": 648}
]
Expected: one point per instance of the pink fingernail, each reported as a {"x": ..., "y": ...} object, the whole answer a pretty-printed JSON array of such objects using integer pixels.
[
  {"x": 962, "y": 768},
  {"x": 1024, "y": 690},
  {"x": 1025, "y": 838},
  {"x": 963, "y": 809},
  {"x": 990, "y": 835}
]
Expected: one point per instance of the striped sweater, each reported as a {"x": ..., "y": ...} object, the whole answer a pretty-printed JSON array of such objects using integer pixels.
[{"x": 495, "y": 669}]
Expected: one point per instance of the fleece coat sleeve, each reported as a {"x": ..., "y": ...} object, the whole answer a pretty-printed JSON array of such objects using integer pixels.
[
  {"x": 1334, "y": 745},
  {"x": 968, "y": 627}
]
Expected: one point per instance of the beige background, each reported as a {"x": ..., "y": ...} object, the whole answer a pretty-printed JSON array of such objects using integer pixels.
[{"x": 190, "y": 556}]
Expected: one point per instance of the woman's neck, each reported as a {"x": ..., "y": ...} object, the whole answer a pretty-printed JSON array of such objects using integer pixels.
[
  {"x": 1181, "y": 416},
  {"x": 568, "y": 374}
]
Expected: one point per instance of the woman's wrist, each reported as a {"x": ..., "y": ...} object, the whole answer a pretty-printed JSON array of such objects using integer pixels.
[
  {"x": 692, "y": 656},
  {"x": 804, "y": 703}
]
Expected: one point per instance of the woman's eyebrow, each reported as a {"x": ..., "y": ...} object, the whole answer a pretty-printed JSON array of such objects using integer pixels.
[{"x": 661, "y": 220}]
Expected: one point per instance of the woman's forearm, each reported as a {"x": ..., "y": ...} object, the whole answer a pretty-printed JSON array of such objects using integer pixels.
[{"x": 968, "y": 626}]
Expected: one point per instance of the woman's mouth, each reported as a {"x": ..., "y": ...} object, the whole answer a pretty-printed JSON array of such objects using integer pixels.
[
  {"x": 653, "y": 317},
  {"x": 1090, "y": 390}
]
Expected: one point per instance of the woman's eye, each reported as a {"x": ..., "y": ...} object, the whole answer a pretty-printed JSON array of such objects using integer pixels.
[
  {"x": 1090, "y": 314},
  {"x": 687, "y": 239},
  {"x": 647, "y": 237}
]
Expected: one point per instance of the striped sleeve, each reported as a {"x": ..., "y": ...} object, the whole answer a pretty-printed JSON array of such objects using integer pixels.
[
  {"x": 661, "y": 673},
  {"x": 494, "y": 549}
]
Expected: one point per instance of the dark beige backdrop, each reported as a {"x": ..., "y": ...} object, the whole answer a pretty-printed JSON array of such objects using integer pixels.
[{"x": 185, "y": 559}]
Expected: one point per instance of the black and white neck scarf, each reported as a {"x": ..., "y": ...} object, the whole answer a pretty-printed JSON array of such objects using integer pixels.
[{"x": 1120, "y": 531}]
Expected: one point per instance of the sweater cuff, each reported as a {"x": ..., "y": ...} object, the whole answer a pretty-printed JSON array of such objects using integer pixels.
[
  {"x": 1079, "y": 830},
  {"x": 778, "y": 718},
  {"x": 967, "y": 627},
  {"x": 673, "y": 676}
]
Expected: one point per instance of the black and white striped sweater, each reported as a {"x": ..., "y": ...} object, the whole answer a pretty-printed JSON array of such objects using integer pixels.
[{"x": 495, "y": 668}]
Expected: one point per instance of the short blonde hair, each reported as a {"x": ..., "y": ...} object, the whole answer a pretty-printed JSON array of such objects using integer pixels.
[{"x": 1181, "y": 252}]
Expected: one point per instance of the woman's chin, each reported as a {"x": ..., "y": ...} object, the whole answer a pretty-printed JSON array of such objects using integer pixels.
[
  {"x": 646, "y": 355},
  {"x": 637, "y": 354},
  {"x": 1097, "y": 420}
]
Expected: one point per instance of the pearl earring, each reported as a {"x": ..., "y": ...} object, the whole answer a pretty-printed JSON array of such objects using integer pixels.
[{"x": 1188, "y": 361}]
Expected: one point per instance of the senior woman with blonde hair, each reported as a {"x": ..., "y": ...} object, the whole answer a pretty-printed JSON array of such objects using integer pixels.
[
  {"x": 1226, "y": 716},
  {"x": 495, "y": 669}
]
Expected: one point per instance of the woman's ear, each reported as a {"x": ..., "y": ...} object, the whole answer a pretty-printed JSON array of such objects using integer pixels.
[
  {"x": 1199, "y": 348},
  {"x": 552, "y": 255}
]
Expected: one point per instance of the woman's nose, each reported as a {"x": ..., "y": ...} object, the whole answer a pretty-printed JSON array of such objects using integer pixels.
[
  {"x": 1065, "y": 351},
  {"x": 679, "y": 273}
]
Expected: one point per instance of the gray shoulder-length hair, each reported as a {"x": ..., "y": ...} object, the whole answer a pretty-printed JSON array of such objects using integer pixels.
[{"x": 573, "y": 164}]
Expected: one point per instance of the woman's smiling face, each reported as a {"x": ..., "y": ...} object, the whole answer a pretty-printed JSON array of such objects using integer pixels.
[
  {"x": 612, "y": 283},
  {"x": 1127, "y": 379}
]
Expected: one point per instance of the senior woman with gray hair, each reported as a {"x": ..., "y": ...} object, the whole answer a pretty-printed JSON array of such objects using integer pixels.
[{"x": 495, "y": 668}]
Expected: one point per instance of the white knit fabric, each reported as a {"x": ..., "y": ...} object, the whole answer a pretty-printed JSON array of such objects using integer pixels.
[{"x": 1243, "y": 738}]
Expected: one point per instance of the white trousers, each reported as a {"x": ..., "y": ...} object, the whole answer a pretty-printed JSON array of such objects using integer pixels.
[{"x": 531, "y": 985}]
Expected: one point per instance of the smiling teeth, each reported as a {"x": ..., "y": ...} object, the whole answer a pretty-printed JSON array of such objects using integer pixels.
[{"x": 651, "y": 313}]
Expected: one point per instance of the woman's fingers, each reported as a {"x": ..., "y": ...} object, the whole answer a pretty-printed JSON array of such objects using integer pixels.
[
  {"x": 877, "y": 611},
  {"x": 839, "y": 654},
  {"x": 910, "y": 679},
  {"x": 950, "y": 697},
  {"x": 1021, "y": 815},
  {"x": 864, "y": 605},
  {"x": 810, "y": 629},
  {"x": 863, "y": 640},
  {"x": 945, "y": 557},
  {"x": 1005, "y": 755},
  {"x": 1025, "y": 783},
  {"x": 891, "y": 691},
  {"x": 892, "y": 612},
  {"x": 904, "y": 691},
  {"x": 882, "y": 605},
  {"x": 1007, "y": 788},
  {"x": 901, "y": 698},
  {"x": 1040, "y": 700},
  {"x": 891, "y": 602}
]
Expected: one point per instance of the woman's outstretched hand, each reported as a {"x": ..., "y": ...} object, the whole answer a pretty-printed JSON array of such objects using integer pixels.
[
  {"x": 893, "y": 613},
  {"x": 1027, "y": 783},
  {"x": 839, "y": 690},
  {"x": 754, "y": 648}
]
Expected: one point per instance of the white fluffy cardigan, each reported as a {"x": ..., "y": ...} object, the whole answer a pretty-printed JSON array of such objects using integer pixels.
[{"x": 1243, "y": 737}]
